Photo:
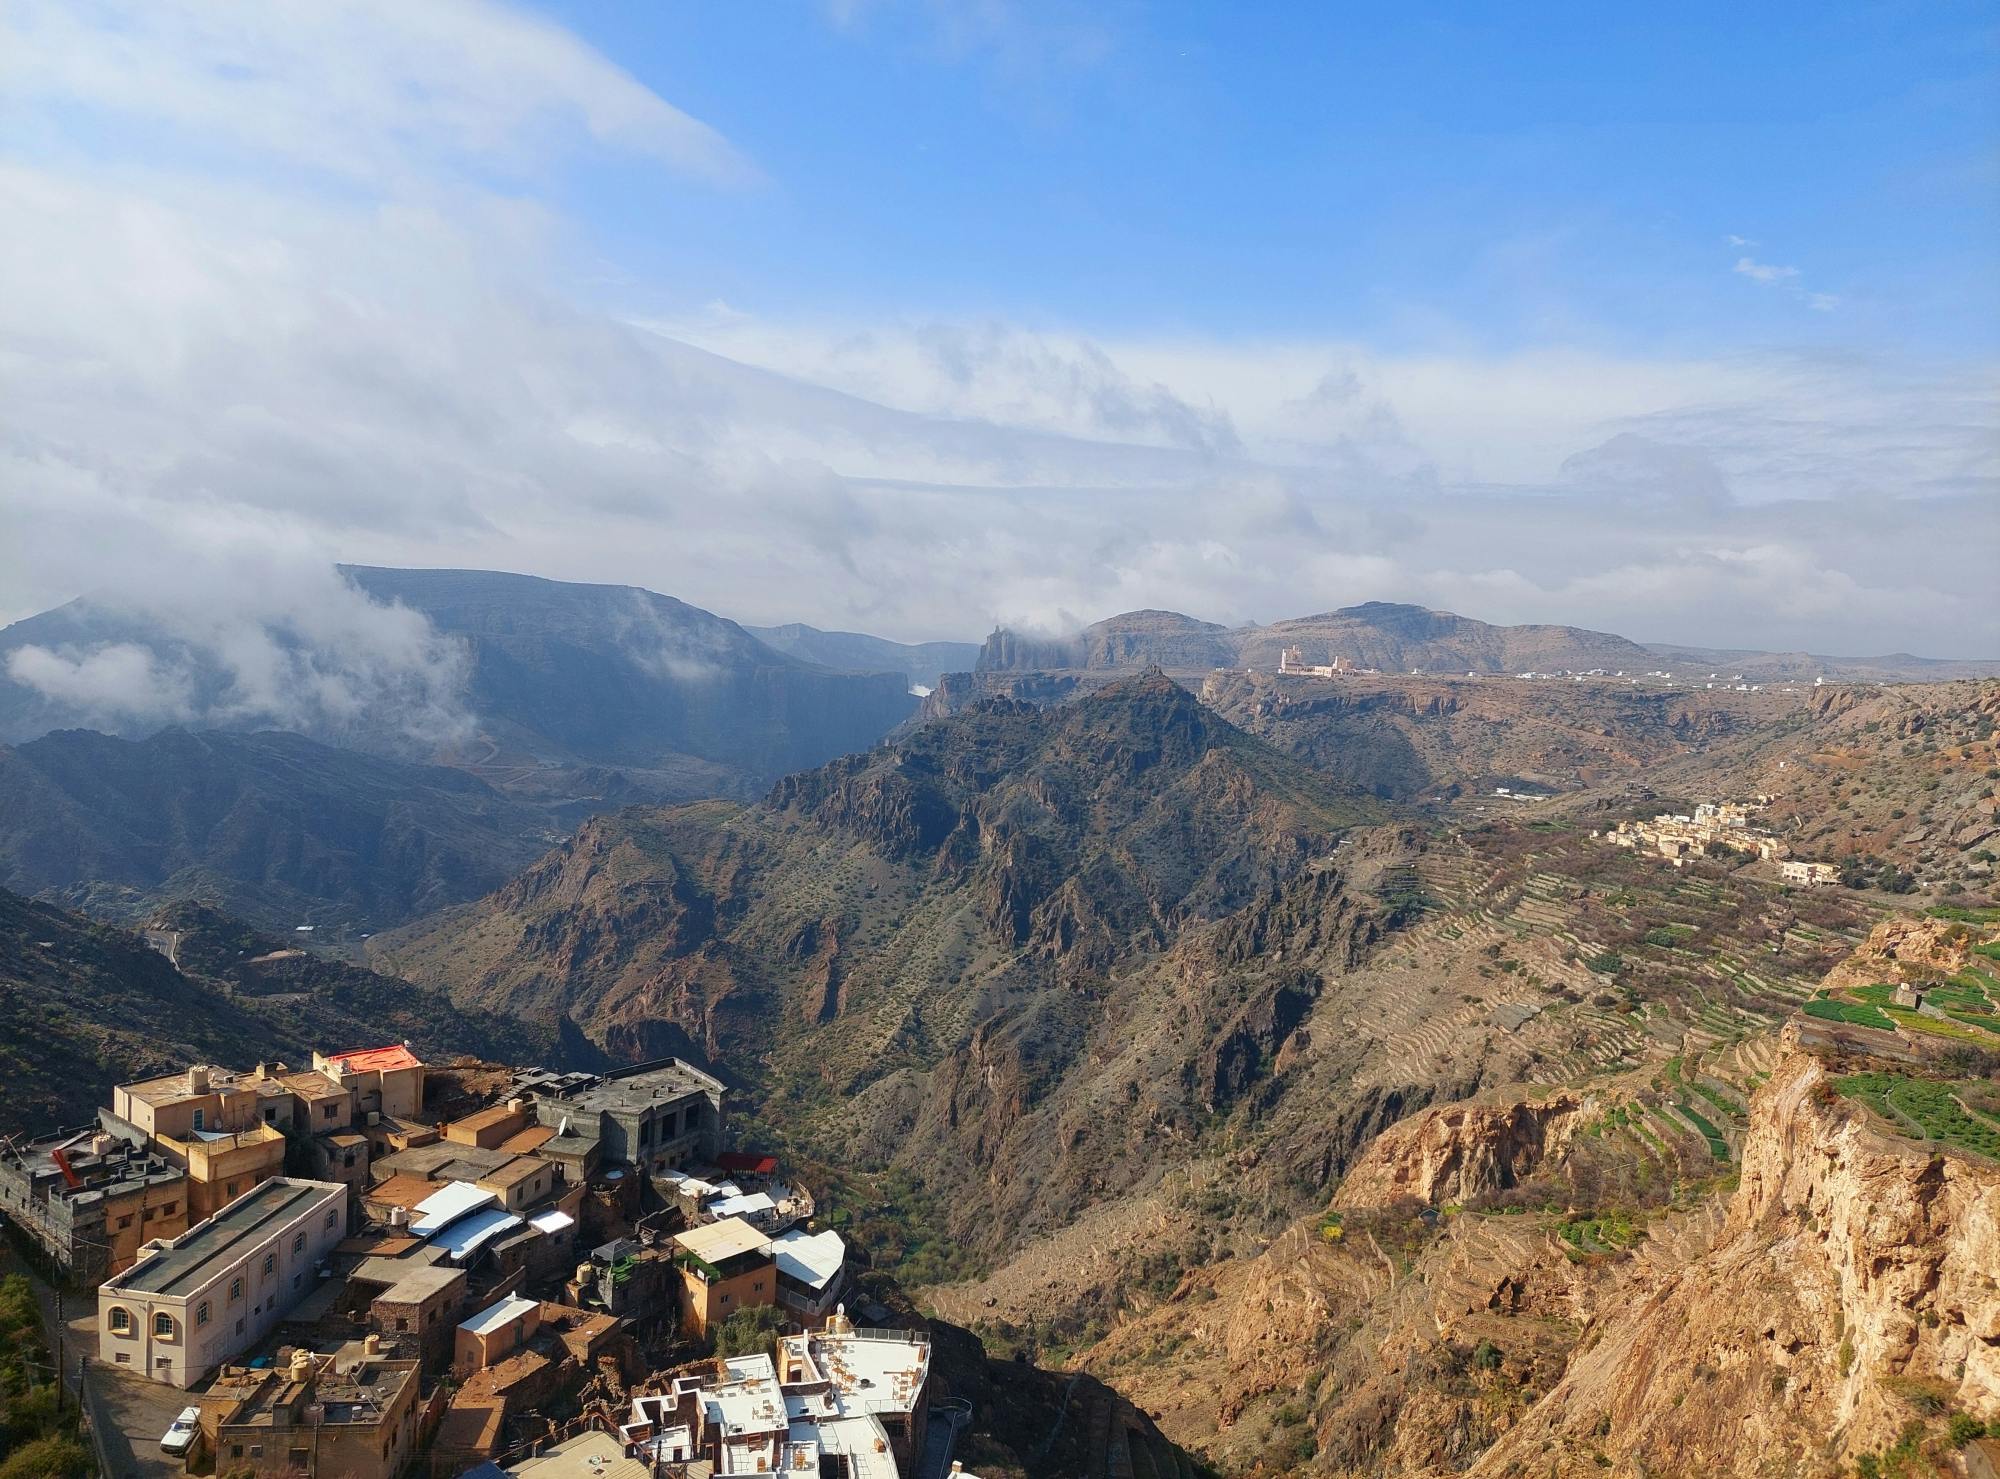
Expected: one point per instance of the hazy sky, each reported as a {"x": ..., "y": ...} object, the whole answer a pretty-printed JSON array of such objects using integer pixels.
[{"x": 911, "y": 317}]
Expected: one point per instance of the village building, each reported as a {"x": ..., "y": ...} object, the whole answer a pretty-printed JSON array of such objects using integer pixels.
[
  {"x": 191, "y": 1303},
  {"x": 1715, "y": 824},
  {"x": 812, "y": 1274},
  {"x": 1292, "y": 663},
  {"x": 655, "y": 1116},
  {"x": 725, "y": 1266},
  {"x": 353, "y": 1413},
  {"x": 1808, "y": 875},
  {"x": 863, "y": 1392},
  {"x": 90, "y": 1199}
]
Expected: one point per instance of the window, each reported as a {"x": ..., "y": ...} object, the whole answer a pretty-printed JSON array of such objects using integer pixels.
[
  {"x": 332, "y": 1217},
  {"x": 235, "y": 1288},
  {"x": 125, "y": 1221},
  {"x": 236, "y": 1450},
  {"x": 758, "y": 1287},
  {"x": 199, "y": 1119},
  {"x": 201, "y": 1313},
  {"x": 121, "y": 1320},
  {"x": 298, "y": 1242},
  {"x": 124, "y": 1358},
  {"x": 402, "y": 1323},
  {"x": 298, "y": 1458},
  {"x": 270, "y": 1114},
  {"x": 239, "y": 1327},
  {"x": 329, "y": 1111},
  {"x": 163, "y": 1326},
  {"x": 270, "y": 1263},
  {"x": 169, "y": 1209},
  {"x": 725, "y": 1299},
  {"x": 230, "y": 1190}
]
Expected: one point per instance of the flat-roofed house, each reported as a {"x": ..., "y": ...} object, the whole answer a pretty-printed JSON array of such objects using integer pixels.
[
  {"x": 386, "y": 1081},
  {"x": 194, "y": 1302},
  {"x": 352, "y": 1412},
  {"x": 725, "y": 1266},
  {"x": 91, "y": 1198}
]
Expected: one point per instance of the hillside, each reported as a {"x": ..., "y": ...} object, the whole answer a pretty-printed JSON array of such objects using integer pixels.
[
  {"x": 856, "y": 652},
  {"x": 910, "y": 954},
  {"x": 272, "y": 827},
  {"x": 548, "y": 676},
  {"x": 1622, "y": 1274},
  {"x": 86, "y": 1005}
]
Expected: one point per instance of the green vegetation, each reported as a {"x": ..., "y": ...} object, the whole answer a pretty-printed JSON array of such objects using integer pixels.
[
  {"x": 1964, "y": 915},
  {"x": 1610, "y": 963},
  {"x": 1717, "y": 1146},
  {"x": 1607, "y": 1232},
  {"x": 38, "y": 1430},
  {"x": 1831, "y": 1009},
  {"x": 749, "y": 1332},
  {"x": 1929, "y": 1107}
]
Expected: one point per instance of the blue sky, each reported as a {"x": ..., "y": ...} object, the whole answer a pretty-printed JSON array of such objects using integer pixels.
[
  {"x": 1496, "y": 175},
  {"x": 915, "y": 316}
]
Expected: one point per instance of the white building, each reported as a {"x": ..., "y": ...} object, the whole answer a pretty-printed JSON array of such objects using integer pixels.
[{"x": 193, "y": 1302}]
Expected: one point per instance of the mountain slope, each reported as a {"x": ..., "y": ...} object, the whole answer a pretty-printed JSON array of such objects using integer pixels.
[
  {"x": 85, "y": 1005},
  {"x": 857, "y": 652},
  {"x": 270, "y": 826},
  {"x": 623, "y": 676},
  {"x": 911, "y": 954},
  {"x": 521, "y": 676}
]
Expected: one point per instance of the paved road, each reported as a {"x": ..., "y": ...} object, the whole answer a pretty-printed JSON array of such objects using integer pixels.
[{"x": 132, "y": 1413}]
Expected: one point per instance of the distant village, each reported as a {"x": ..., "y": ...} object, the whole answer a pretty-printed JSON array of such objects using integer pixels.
[
  {"x": 1727, "y": 826},
  {"x": 365, "y": 1267}
]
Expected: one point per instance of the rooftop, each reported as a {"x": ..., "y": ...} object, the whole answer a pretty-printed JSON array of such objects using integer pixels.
[
  {"x": 632, "y": 1089},
  {"x": 492, "y": 1318},
  {"x": 811, "y": 1258},
  {"x": 517, "y": 1170},
  {"x": 177, "y": 1269},
  {"x": 455, "y": 1199},
  {"x": 716, "y": 1242},
  {"x": 590, "y": 1455},
  {"x": 468, "y": 1235},
  {"x": 378, "y": 1060}
]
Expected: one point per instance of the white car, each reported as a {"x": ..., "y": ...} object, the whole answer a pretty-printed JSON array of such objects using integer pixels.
[{"x": 180, "y": 1437}]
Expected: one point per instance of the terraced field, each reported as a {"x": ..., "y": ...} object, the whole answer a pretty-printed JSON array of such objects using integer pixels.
[{"x": 1649, "y": 959}]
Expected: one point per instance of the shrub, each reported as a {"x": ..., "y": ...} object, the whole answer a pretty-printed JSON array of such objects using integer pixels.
[
  {"x": 749, "y": 1331},
  {"x": 1962, "y": 1428},
  {"x": 1486, "y": 1356},
  {"x": 47, "y": 1458},
  {"x": 1610, "y": 963}
]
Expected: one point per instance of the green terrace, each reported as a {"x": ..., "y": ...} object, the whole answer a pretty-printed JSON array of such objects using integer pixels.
[{"x": 1929, "y": 1109}]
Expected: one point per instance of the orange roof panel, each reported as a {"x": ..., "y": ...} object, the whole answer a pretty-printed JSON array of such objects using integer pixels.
[{"x": 377, "y": 1060}]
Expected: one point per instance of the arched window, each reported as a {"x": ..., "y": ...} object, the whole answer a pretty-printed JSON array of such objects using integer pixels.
[
  {"x": 121, "y": 1320},
  {"x": 163, "y": 1326}
]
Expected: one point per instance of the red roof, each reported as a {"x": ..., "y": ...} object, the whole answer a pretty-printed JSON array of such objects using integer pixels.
[
  {"x": 376, "y": 1060},
  {"x": 748, "y": 1163}
]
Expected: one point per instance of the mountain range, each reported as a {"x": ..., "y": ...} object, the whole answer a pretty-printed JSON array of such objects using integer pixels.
[{"x": 1396, "y": 638}]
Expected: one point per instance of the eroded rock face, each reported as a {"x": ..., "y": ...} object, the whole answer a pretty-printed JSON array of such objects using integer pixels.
[
  {"x": 1852, "y": 1270},
  {"x": 1459, "y": 1152},
  {"x": 1905, "y": 949}
]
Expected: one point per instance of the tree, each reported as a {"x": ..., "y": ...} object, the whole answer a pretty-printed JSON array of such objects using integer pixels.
[{"x": 749, "y": 1331}]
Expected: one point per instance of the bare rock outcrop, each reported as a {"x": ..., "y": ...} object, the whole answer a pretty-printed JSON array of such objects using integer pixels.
[{"x": 1458, "y": 1152}]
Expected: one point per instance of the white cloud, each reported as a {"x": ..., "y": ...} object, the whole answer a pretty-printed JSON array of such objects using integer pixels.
[
  {"x": 217, "y": 385},
  {"x": 362, "y": 88},
  {"x": 1764, "y": 272}
]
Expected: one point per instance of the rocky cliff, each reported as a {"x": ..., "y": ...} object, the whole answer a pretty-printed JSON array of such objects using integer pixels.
[{"x": 1850, "y": 1292}]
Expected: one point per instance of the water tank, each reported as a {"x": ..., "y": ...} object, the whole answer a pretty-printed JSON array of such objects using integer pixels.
[
  {"x": 301, "y": 1367},
  {"x": 399, "y": 1217}
]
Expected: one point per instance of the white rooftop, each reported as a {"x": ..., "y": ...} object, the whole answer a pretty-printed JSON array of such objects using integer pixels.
[
  {"x": 492, "y": 1318},
  {"x": 743, "y": 1206},
  {"x": 811, "y": 1258},
  {"x": 468, "y": 1235},
  {"x": 441, "y": 1208},
  {"x": 747, "y": 1400}
]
